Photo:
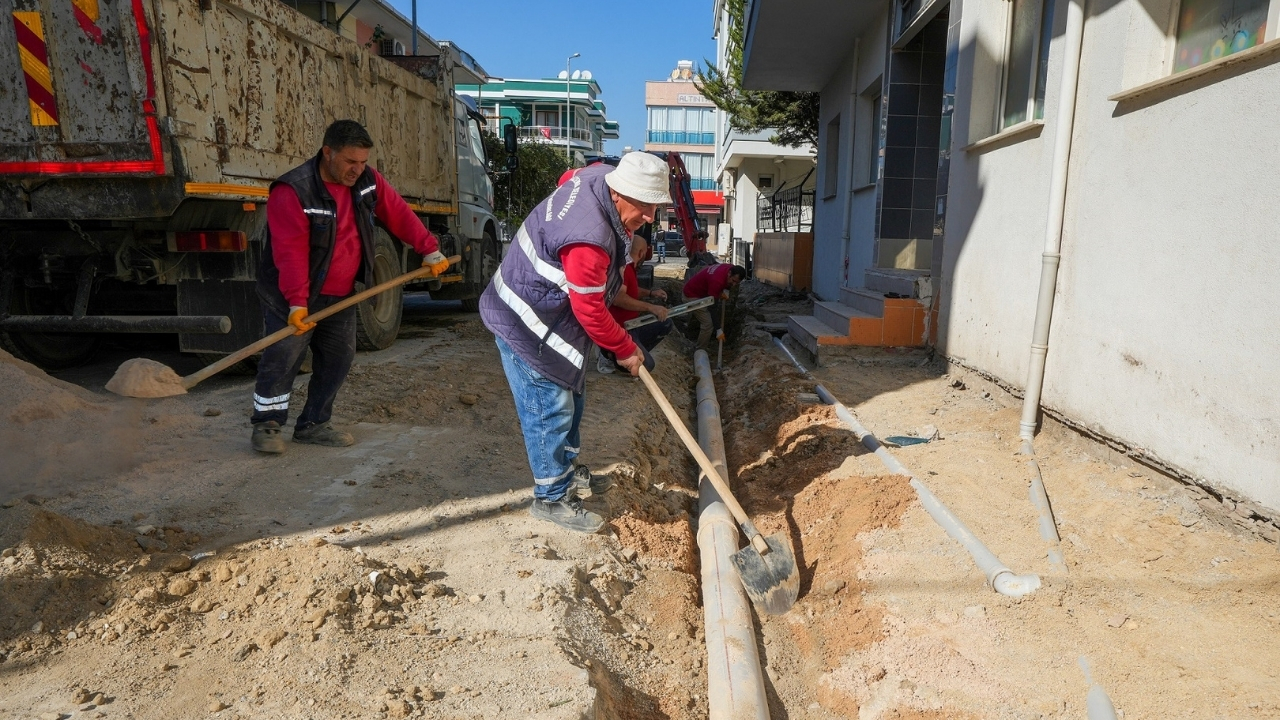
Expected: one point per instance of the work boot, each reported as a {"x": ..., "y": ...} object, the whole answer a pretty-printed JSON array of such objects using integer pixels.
[
  {"x": 323, "y": 434},
  {"x": 266, "y": 437},
  {"x": 568, "y": 513},
  {"x": 604, "y": 365},
  {"x": 592, "y": 483}
]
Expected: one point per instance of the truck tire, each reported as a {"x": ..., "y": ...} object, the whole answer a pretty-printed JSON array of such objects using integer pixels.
[
  {"x": 50, "y": 351},
  {"x": 378, "y": 318},
  {"x": 490, "y": 258}
]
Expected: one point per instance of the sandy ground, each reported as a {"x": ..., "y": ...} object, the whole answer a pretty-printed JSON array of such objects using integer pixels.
[{"x": 403, "y": 577}]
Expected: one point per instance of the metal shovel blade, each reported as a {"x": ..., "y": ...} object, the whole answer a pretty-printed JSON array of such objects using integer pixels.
[{"x": 772, "y": 580}]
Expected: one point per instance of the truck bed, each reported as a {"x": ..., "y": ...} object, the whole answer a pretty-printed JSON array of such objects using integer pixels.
[{"x": 199, "y": 98}]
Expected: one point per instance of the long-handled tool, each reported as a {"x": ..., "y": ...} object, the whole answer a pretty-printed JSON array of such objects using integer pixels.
[
  {"x": 677, "y": 310},
  {"x": 145, "y": 378},
  {"x": 767, "y": 566},
  {"x": 720, "y": 349}
]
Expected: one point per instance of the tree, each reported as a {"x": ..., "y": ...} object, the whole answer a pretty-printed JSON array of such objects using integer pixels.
[
  {"x": 793, "y": 116},
  {"x": 517, "y": 193}
]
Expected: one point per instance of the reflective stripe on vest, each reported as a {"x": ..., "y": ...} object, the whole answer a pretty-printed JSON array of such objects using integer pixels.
[
  {"x": 546, "y": 269},
  {"x": 534, "y": 323}
]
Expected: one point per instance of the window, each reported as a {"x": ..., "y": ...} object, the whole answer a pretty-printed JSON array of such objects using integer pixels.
[
  {"x": 873, "y": 135},
  {"x": 831, "y": 160},
  {"x": 1027, "y": 61},
  {"x": 764, "y": 182},
  {"x": 547, "y": 118},
  {"x": 1211, "y": 29}
]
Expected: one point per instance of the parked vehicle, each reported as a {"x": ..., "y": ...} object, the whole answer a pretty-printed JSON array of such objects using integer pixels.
[
  {"x": 138, "y": 144},
  {"x": 673, "y": 242}
]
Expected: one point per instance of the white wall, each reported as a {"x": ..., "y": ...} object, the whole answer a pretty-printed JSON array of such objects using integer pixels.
[
  {"x": 845, "y": 247},
  {"x": 1163, "y": 329}
]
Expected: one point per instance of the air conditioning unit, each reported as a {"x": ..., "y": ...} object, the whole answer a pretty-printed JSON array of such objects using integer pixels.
[{"x": 392, "y": 47}]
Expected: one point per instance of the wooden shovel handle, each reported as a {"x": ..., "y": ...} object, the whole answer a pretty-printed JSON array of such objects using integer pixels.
[
  {"x": 196, "y": 377},
  {"x": 704, "y": 462}
]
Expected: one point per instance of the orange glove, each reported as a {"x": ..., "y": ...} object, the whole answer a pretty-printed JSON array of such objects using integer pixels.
[
  {"x": 296, "y": 315},
  {"x": 437, "y": 262}
]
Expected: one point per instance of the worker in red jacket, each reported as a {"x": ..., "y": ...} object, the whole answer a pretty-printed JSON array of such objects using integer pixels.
[
  {"x": 713, "y": 281},
  {"x": 630, "y": 304},
  {"x": 320, "y": 234}
]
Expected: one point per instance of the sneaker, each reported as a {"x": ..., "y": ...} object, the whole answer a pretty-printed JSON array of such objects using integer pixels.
[
  {"x": 266, "y": 437},
  {"x": 604, "y": 365},
  {"x": 587, "y": 482},
  {"x": 568, "y": 513},
  {"x": 323, "y": 434}
]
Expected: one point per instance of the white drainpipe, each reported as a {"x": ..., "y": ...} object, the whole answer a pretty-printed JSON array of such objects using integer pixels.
[
  {"x": 851, "y": 169},
  {"x": 735, "y": 684},
  {"x": 1072, "y": 42}
]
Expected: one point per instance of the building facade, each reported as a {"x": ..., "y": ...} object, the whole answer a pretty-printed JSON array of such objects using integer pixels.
[
  {"x": 564, "y": 111},
  {"x": 751, "y": 169},
  {"x": 980, "y": 155},
  {"x": 681, "y": 120}
]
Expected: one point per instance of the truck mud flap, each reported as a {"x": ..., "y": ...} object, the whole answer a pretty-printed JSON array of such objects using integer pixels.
[{"x": 236, "y": 299}]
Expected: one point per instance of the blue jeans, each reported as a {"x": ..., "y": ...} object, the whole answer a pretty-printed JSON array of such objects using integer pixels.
[{"x": 550, "y": 418}]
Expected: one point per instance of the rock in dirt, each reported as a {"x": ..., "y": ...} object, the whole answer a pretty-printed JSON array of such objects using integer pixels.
[
  {"x": 398, "y": 709},
  {"x": 217, "y": 706},
  {"x": 80, "y": 696},
  {"x": 243, "y": 651},
  {"x": 151, "y": 544},
  {"x": 271, "y": 638},
  {"x": 181, "y": 587},
  {"x": 212, "y": 412},
  {"x": 200, "y": 605},
  {"x": 468, "y": 399},
  {"x": 144, "y": 378}
]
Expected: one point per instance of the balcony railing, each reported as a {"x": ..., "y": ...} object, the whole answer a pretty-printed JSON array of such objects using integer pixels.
[
  {"x": 682, "y": 138},
  {"x": 552, "y": 132},
  {"x": 788, "y": 210}
]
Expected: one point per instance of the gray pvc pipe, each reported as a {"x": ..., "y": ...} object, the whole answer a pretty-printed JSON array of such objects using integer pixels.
[
  {"x": 735, "y": 683},
  {"x": 1073, "y": 40},
  {"x": 1048, "y": 526},
  {"x": 999, "y": 577}
]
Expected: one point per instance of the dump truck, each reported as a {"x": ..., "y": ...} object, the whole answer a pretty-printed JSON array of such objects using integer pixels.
[{"x": 138, "y": 140}]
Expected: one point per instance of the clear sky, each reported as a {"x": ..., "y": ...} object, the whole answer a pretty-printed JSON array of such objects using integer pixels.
[{"x": 623, "y": 43}]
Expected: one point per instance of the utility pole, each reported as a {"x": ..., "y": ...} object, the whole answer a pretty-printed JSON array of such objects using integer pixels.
[{"x": 568, "y": 156}]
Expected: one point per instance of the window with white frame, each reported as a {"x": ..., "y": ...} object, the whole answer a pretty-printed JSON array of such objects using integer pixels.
[
  {"x": 1030, "y": 26},
  {"x": 1212, "y": 29},
  {"x": 873, "y": 143},
  {"x": 831, "y": 159}
]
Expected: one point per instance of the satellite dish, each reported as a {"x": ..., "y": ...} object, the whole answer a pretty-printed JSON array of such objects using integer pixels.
[
  {"x": 577, "y": 74},
  {"x": 563, "y": 75},
  {"x": 586, "y": 74}
]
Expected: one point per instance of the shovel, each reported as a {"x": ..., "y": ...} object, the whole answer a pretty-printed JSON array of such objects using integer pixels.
[
  {"x": 145, "y": 378},
  {"x": 767, "y": 566},
  {"x": 720, "y": 350}
]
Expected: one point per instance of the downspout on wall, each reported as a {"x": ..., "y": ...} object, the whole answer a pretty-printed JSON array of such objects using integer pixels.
[{"x": 1073, "y": 40}]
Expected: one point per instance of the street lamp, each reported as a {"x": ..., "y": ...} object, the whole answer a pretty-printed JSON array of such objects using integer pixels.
[{"x": 567, "y": 123}]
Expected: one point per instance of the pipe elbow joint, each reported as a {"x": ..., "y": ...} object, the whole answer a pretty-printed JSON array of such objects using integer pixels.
[{"x": 1005, "y": 582}]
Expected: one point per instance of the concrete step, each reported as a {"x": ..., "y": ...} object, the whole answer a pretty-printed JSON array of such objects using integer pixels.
[
  {"x": 870, "y": 302},
  {"x": 810, "y": 332},
  {"x": 889, "y": 280},
  {"x": 840, "y": 316}
]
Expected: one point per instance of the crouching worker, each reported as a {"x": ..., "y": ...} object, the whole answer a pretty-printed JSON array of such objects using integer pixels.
[
  {"x": 714, "y": 281},
  {"x": 550, "y": 300},
  {"x": 630, "y": 304},
  {"x": 320, "y": 235}
]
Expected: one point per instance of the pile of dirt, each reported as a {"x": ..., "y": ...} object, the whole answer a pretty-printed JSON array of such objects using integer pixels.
[
  {"x": 54, "y": 434},
  {"x": 791, "y": 464}
]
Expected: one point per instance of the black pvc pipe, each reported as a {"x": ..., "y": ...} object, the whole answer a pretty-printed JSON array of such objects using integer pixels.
[{"x": 201, "y": 324}]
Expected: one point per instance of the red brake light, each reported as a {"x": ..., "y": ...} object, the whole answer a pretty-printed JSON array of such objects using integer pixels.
[{"x": 210, "y": 241}]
